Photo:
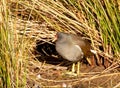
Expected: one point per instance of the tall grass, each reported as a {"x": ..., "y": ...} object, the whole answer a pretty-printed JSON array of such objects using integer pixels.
[
  {"x": 103, "y": 16},
  {"x": 100, "y": 20},
  {"x": 106, "y": 15},
  {"x": 5, "y": 57},
  {"x": 13, "y": 51}
]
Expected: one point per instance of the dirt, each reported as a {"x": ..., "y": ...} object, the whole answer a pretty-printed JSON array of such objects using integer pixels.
[
  {"x": 49, "y": 71},
  {"x": 48, "y": 75}
]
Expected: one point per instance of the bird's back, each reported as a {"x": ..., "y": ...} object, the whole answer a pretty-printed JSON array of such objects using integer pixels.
[{"x": 84, "y": 44}]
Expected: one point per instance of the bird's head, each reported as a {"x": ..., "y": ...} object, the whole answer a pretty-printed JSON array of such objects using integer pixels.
[{"x": 61, "y": 37}]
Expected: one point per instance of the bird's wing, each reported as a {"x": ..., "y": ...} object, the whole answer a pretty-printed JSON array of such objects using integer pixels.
[{"x": 83, "y": 43}]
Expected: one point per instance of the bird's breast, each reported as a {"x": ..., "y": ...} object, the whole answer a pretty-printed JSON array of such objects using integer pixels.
[{"x": 70, "y": 52}]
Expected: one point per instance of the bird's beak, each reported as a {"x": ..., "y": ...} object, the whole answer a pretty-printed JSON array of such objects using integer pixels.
[{"x": 55, "y": 38}]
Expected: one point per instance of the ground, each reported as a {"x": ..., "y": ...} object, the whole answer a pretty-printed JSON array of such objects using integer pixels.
[{"x": 50, "y": 71}]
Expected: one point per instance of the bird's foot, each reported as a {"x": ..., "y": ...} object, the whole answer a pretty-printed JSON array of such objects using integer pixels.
[{"x": 70, "y": 74}]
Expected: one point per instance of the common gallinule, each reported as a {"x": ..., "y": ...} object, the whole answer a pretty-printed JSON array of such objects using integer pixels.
[{"x": 72, "y": 47}]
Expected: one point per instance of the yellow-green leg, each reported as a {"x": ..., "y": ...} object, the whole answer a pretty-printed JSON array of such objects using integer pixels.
[
  {"x": 72, "y": 73},
  {"x": 73, "y": 68},
  {"x": 78, "y": 68},
  {"x": 89, "y": 61}
]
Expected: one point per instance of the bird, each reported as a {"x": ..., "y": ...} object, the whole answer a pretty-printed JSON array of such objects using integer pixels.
[{"x": 73, "y": 48}]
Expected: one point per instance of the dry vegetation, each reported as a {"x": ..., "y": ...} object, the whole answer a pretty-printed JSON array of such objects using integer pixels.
[{"x": 28, "y": 55}]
